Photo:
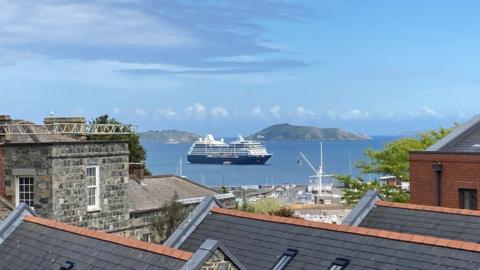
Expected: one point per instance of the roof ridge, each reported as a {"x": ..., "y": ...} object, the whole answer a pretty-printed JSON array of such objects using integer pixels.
[
  {"x": 159, "y": 249},
  {"x": 465, "y": 212},
  {"x": 405, "y": 237}
]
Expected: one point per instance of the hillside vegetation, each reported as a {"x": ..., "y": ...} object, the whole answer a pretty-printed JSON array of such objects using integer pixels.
[{"x": 287, "y": 132}]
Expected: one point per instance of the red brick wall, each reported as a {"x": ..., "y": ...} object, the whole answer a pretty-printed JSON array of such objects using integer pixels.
[
  {"x": 2, "y": 169},
  {"x": 459, "y": 171}
]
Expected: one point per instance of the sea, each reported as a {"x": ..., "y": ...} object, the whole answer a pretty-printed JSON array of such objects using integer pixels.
[{"x": 285, "y": 166}]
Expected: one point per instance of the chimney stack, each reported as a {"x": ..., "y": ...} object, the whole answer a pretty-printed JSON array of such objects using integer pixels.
[{"x": 136, "y": 171}]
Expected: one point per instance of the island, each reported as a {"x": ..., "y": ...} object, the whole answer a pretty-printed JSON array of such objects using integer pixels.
[
  {"x": 287, "y": 132},
  {"x": 168, "y": 136}
]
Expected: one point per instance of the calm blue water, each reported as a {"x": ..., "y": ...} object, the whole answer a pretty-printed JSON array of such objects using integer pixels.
[{"x": 283, "y": 167}]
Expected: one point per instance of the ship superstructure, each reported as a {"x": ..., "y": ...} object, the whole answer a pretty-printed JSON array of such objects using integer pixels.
[{"x": 210, "y": 151}]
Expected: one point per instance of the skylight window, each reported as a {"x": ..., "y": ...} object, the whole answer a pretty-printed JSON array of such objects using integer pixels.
[
  {"x": 286, "y": 257},
  {"x": 339, "y": 264}
]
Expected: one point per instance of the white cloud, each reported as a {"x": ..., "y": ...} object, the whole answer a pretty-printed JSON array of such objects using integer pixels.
[
  {"x": 116, "y": 111},
  {"x": 331, "y": 114},
  {"x": 304, "y": 113},
  {"x": 430, "y": 112},
  {"x": 354, "y": 115},
  {"x": 219, "y": 112},
  {"x": 196, "y": 110},
  {"x": 166, "y": 113},
  {"x": 85, "y": 23},
  {"x": 257, "y": 111},
  {"x": 275, "y": 111},
  {"x": 141, "y": 112}
]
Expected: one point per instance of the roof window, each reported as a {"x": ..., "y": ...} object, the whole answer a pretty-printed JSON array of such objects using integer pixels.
[
  {"x": 286, "y": 257},
  {"x": 339, "y": 264},
  {"x": 67, "y": 265}
]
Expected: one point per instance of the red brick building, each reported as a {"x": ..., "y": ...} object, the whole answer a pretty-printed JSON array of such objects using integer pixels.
[{"x": 447, "y": 174}]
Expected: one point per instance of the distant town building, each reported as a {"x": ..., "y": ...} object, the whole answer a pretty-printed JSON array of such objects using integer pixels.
[{"x": 447, "y": 174}]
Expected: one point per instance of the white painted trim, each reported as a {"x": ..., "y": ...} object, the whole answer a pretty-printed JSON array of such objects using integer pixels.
[{"x": 95, "y": 207}]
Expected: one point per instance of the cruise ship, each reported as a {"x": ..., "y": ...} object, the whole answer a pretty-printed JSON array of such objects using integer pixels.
[{"x": 210, "y": 151}]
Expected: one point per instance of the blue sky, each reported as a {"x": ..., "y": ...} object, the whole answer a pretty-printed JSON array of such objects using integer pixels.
[{"x": 228, "y": 67}]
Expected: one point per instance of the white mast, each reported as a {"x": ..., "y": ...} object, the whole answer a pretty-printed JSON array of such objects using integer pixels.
[{"x": 320, "y": 170}]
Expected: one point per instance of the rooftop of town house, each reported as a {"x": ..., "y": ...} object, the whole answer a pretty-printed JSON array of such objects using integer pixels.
[
  {"x": 40, "y": 243},
  {"x": 260, "y": 241},
  {"x": 450, "y": 223},
  {"x": 464, "y": 138},
  {"x": 152, "y": 192}
]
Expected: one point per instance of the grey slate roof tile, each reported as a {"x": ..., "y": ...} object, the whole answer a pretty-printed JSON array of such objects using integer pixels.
[
  {"x": 437, "y": 224},
  {"x": 258, "y": 244},
  {"x": 27, "y": 248},
  {"x": 153, "y": 192}
]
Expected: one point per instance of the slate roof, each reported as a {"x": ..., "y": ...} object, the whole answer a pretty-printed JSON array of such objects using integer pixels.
[
  {"x": 42, "y": 244},
  {"x": 434, "y": 221},
  {"x": 258, "y": 241},
  {"x": 464, "y": 138},
  {"x": 153, "y": 192}
]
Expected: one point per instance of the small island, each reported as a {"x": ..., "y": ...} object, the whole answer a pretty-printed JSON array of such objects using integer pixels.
[
  {"x": 168, "y": 136},
  {"x": 287, "y": 132}
]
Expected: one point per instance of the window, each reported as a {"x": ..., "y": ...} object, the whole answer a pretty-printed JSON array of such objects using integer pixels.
[
  {"x": 93, "y": 186},
  {"x": 286, "y": 257},
  {"x": 339, "y": 264},
  {"x": 26, "y": 190},
  {"x": 468, "y": 199}
]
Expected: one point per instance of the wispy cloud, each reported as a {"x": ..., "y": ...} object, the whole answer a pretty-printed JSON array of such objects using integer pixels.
[
  {"x": 204, "y": 37},
  {"x": 256, "y": 112},
  {"x": 275, "y": 112},
  {"x": 166, "y": 113},
  {"x": 354, "y": 115},
  {"x": 219, "y": 112},
  {"x": 304, "y": 113},
  {"x": 430, "y": 112},
  {"x": 197, "y": 110},
  {"x": 141, "y": 112}
]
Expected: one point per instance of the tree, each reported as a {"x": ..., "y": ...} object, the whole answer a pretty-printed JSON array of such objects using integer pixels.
[
  {"x": 223, "y": 190},
  {"x": 171, "y": 215},
  {"x": 138, "y": 154},
  {"x": 355, "y": 189},
  {"x": 393, "y": 158}
]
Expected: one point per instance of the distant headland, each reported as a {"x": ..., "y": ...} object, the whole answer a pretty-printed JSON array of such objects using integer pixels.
[
  {"x": 287, "y": 132},
  {"x": 169, "y": 136},
  {"x": 279, "y": 132}
]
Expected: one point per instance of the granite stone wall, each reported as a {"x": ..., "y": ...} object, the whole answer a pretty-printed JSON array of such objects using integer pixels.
[
  {"x": 30, "y": 161},
  {"x": 69, "y": 166},
  {"x": 218, "y": 261},
  {"x": 59, "y": 171}
]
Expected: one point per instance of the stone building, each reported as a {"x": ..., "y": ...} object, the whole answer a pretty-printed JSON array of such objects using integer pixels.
[
  {"x": 147, "y": 195},
  {"x": 447, "y": 174},
  {"x": 65, "y": 178}
]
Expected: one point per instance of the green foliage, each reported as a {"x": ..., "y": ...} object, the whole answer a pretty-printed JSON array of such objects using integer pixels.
[
  {"x": 267, "y": 206},
  {"x": 223, "y": 190},
  {"x": 355, "y": 189},
  {"x": 171, "y": 215},
  {"x": 393, "y": 158},
  {"x": 137, "y": 152}
]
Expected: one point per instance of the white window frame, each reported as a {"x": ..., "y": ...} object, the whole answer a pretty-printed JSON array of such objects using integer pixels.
[
  {"x": 96, "y": 206},
  {"x": 17, "y": 188}
]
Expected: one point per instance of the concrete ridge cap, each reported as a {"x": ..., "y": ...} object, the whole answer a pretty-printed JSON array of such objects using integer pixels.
[
  {"x": 439, "y": 209},
  {"x": 404, "y": 237},
  {"x": 137, "y": 244}
]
